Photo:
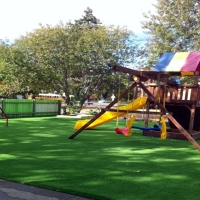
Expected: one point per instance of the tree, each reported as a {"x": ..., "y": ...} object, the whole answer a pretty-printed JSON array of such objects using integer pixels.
[
  {"x": 88, "y": 19},
  {"x": 175, "y": 26},
  {"x": 76, "y": 59},
  {"x": 122, "y": 45},
  {"x": 10, "y": 83}
]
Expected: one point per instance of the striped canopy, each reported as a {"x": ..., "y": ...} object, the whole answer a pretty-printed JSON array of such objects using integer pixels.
[{"x": 183, "y": 63}]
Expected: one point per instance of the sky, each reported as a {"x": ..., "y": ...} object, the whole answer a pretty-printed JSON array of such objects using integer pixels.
[{"x": 17, "y": 17}]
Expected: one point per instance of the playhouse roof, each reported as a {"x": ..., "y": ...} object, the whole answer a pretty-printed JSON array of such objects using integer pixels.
[{"x": 184, "y": 63}]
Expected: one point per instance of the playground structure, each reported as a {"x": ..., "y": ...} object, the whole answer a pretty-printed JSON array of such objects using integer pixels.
[{"x": 179, "y": 103}]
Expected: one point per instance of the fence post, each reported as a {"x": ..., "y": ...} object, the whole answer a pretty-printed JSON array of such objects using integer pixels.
[
  {"x": 33, "y": 107},
  {"x": 2, "y": 106},
  {"x": 59, "y": 107}
]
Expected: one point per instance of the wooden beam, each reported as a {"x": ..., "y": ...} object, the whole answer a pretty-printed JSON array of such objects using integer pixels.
[
  {"x": 196, "y": 78},
  {"x": 143, "y": 78},
  {"x": 188, "y": 107},
  {"x": 150, "y": 95},
  {"x": 183, "y": 131},
  {"x": 152, "y": 74},
  {"x": 146, "y": 121}
]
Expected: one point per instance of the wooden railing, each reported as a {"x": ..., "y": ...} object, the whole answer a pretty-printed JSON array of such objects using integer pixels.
[{"x": 173, "y": 94}]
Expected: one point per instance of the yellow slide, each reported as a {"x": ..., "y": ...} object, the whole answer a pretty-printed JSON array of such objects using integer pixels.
[{"x": 109, "y": 116}]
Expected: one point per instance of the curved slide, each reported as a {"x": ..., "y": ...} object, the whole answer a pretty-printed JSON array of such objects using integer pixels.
[{"x": 109, "y": 116}]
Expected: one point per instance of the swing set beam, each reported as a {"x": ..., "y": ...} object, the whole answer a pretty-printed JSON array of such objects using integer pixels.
[{"x": 142, "y": 74}]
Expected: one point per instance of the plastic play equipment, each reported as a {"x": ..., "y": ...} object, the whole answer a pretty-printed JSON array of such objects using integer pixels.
[
  {"x": 109, "y": 116},
  {"x": 129, "y": 125},
  {"x": 147, "y": 128},
  {"x": 127, "y": 130},
  {"x": 162, "y": 127}
]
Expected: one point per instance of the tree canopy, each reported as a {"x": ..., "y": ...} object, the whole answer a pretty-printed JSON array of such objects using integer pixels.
[
  {"x": 73, "y": 58},
  {"x": 173, "y": 26},
  {"x": 88, "y": 19}
]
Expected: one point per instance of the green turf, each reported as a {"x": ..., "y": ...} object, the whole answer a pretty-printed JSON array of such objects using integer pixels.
[{"x": 98, "y": 164}]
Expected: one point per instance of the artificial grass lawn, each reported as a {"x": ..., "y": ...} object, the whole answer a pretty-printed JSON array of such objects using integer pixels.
[{"x": 99, "y": 163}]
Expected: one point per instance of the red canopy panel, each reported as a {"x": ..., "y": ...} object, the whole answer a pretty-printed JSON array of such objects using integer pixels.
[{"x": 192, "y": 63}]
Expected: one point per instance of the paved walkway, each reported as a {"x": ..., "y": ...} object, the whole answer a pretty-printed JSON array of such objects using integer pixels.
[{"x": 16, "y": 191}]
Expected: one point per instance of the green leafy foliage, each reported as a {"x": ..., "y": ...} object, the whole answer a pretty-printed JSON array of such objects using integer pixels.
[
  {"x": 73, "y": 58},
  {"x": 174, "y": 26}
]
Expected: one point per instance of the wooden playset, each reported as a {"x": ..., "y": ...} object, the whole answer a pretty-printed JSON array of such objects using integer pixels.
[{"x": 180, "y": 103}]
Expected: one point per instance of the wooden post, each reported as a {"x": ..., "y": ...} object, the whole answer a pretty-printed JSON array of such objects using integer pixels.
[
  {"x": 33, "y": 101},
  {"x": 59, "y": 107},
  {"x": 147, "y": 115},
  {"x": 196, "y": 76},
  {"x": 192, "y": 114},
  {"x": 150, "y": 95}
]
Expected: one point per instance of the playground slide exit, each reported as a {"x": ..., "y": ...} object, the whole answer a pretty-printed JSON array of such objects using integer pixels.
[{"x": 109, "y": 116}]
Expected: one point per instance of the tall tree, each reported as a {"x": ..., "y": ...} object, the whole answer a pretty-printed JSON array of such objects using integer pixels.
[
  {"x": 88, "y": 19},
  {"x": 173, "y": 26},
  {"x": 73, "y": 58},
  {"x": 10, "y": 83}
]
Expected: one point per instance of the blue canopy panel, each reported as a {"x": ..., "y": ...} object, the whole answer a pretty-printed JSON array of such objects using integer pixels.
[{"x": 163, "y": 62}]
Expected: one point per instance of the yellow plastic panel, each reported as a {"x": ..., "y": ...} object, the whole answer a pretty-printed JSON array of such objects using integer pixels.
[
  {"x": 187, "y": 73},
  {"x": 109, "y": 116}
]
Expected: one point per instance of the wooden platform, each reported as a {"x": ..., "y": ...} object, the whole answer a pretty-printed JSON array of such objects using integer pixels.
[{"x": 172, "y": 134}]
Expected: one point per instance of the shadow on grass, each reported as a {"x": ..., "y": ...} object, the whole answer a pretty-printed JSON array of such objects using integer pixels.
[{"x": 99, "y": 163}]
